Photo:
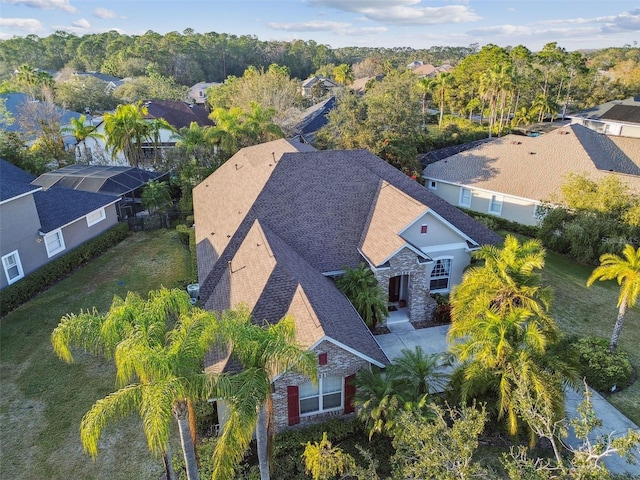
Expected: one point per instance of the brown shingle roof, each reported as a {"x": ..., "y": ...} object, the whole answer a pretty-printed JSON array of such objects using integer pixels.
[
  {"x": 276, "y": 216},
  {"x": 536, "y": 167}
]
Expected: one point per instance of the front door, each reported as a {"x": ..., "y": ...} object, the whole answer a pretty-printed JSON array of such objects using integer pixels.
[{"x": 394, "y": 288}]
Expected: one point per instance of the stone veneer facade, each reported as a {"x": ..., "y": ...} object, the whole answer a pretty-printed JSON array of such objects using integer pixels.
[
  {"x": 340, "y": 363},
  {"x": 405, "y": 262}
]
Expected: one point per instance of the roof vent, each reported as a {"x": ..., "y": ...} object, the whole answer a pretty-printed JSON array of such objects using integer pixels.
[
  {"x": 515, "y": 142},
  {"x": 532, "y": 153}
]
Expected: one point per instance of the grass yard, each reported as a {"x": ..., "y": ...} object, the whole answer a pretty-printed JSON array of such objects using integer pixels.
[
  {"x": 42, "y": 399},
  {"x": 592, "y": 312}
]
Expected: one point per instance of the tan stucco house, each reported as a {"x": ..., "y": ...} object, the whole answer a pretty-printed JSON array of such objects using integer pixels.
[
  {"x": 278, "y": 221},
  {"x": 511, "y": 176}
]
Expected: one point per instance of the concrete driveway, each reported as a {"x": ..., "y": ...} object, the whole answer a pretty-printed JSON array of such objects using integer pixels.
[{"x": 434, "y": 340}]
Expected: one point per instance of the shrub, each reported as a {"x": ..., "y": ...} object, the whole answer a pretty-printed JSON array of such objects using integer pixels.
[
  {"x": 35, "y": 282},
  {"x": 443, "y": 313},
  {"x": 187, "y": 237},
  {"x": 498, "y": 223},
  {"x": 602, "y": 369}
]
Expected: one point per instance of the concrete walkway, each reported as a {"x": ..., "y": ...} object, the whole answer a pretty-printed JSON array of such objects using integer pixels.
[{"x": 434, "y": 340}]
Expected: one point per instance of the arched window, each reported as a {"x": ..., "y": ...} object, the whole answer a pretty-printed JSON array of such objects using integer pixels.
[{"x": 440, "y": 275}]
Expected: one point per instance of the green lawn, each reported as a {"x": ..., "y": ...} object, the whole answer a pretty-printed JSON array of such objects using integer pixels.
[
  {"x": 43, "y": 399},
  {"x": 592, "y": 311}
]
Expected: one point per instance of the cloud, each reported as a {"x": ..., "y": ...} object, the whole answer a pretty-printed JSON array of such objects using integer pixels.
[
  {"x": 63, "y": 5},
  {"x": 82, "y": 23},
  {"x": 512, "y": 32},
  {"x": 30, "y": 25},
  {"x": 337, "y": 28},
  {"x": 625, "y": 21},
  {"x": 104, "y": 13},
  {"x": 402, "y": 12}
]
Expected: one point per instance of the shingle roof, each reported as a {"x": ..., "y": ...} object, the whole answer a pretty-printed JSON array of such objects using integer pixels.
[
  {"x": 14, "y": 181},
  {"x": 623, "y": 113},
  {"x": 276, "y": 216},
  {"x": 59, "y": 206},
  {"x": 600, "y": 111},
  {"x": 178, "y": 114},
  {"x": 536, "y": 167}
]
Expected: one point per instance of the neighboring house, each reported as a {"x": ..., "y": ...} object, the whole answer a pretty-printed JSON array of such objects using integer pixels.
[
  {"x": 618, "y": 117},
  {"x": 111, "y": 82},
  {"x": 177, "y": 114},
  {"x": 278, "y": 221},
  {"x": 359, "y": 85},
  {"x": 312, "y": 120},
  {"x": 324, "y": 84},
  {"x": 38, "y": 225},
  {"x": 198, "y": 92},
  {"x": 17, "y": 105},
  {"x": 124, "y": 183},
  {"x": 427, "y": 70},
  {"x": 511, "y": 176}
]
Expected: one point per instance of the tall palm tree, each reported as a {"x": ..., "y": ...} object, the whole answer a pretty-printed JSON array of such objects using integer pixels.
[
  {"x": 126, "y": 130},
  {"x": 424, "y": 86},
  {"x": 499, "y": 349},
  {"x": 501, "y": 329},
  {"x": 156, "y": 126},
  {"x": 441, "y": 85},
  {"x": 81, "y": 131},
  {"x": 368, "y": 297},
  {"x": 625, "y": 270},
  {"x": 158, "y": 346},
  {"x": 265, "y": 352}
]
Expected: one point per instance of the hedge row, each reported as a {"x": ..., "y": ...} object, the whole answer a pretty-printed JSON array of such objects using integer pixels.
[
  {"x": 35, "y": 282},
  {"x": 498, "y": 223},
  {"x": 188, "y": 237}
]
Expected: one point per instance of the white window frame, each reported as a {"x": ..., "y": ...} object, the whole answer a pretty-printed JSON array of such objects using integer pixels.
[
  {"x": 433, "y": 185},
  {"x": 424, "y": 227},
  {"x": 308, "y": 391},
  {"x": 440, "y": 277},
  {"x": 496, "y": 201},
  {"x": 96, "y": 216},
  {"x": 461, "y": 200},
  {"x": 57, "y": 234},
  {"x": 6, "y": 265}
]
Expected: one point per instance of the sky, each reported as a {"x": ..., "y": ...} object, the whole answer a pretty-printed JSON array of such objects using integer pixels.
[{"x": 573, "y": 24}]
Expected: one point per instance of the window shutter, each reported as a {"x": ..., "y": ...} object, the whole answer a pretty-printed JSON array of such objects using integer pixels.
[
  {"x": 293, "y": 404},
  {"x": 322, "y": 359},
  {"x": 349, "y": 393}
]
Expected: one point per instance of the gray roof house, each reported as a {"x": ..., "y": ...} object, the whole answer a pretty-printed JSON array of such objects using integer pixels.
[
  {"x": 618, "y": 117},
  {"x": 511, "y": 176},
  {"x": 38, "y": 225},
  {"x": 278, "y": 221}
]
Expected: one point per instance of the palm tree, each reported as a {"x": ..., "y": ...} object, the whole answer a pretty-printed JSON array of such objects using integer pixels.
[
  {"x": 377, "y": 400},
  {"x": 418, "y": 372},
  {"x": 81, "y": 131},
  {"x": 424, "y": 86},
  {"x": 501, "y": 329},
  {"x": 228, "y": 129},
  {"x": 499, "y": 349},
  {"x": 156, "y": 195},
  {"x": 156, "y": 126},
  {"x": 440, "y": 86},
  {"x": 626, "y": 270},
  {"x": 343, "y": 74},
  {"x": 158, "y": 346},
  {"x": 259, "y": 125},
  {"x": 265, "y": 352},
  {"x": 126, "y": 129},
  {"x": 507, "y": 280},
  {"x": 361, "y": 287}
]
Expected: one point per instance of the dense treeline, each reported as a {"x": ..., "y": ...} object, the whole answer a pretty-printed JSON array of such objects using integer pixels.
[{"x": 191, "y": 57}]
